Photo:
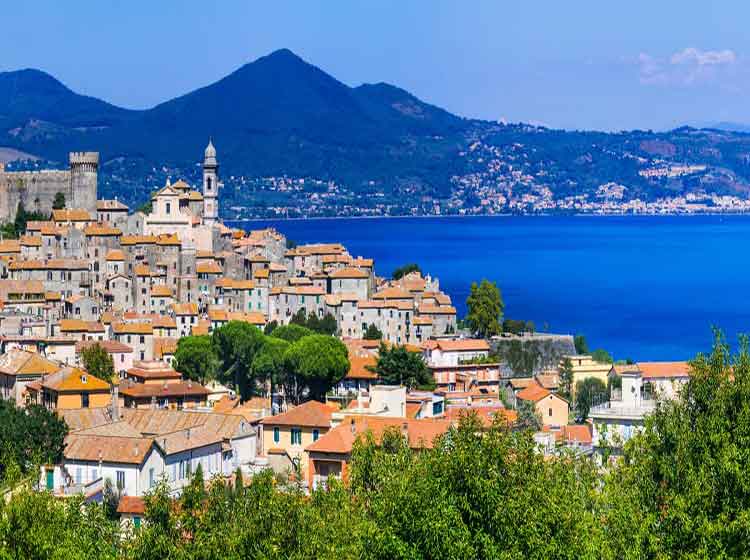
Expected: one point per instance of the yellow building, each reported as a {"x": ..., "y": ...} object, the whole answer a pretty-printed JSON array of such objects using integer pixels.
[
  {"x": 70, "y": 388},
  {"x": 286, "y": 435},
  {"x": 584, "y": 366},
  {"x": 552, "y": 409}
]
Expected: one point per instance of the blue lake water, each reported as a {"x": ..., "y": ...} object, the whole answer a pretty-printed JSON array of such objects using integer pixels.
[{"x": 646, "y": 288}]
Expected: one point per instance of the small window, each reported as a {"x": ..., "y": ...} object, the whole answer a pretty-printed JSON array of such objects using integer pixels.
[
  {"x": 120, "y": 480},
  {"x": 316, "y": 434},
  {"x": 296, "y": 436},
  {"x": 276, "y": 435},
  {"x": 550, "y": 412}
]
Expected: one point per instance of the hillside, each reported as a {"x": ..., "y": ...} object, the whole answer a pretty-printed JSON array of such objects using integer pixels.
[{"x": 372, "y": 149}]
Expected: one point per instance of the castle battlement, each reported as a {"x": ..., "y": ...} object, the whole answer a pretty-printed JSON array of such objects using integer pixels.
[{"x": 84, "y": 157}]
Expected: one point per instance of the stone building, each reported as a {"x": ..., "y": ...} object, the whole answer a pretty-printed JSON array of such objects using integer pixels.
[{"x": 37, "y": 189}]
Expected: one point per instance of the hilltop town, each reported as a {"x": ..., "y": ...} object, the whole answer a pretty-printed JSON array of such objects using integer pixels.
[{"x": 166, "y": 343}]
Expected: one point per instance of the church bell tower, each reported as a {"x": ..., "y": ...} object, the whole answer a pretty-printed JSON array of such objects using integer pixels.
[{"x": 210, "y": 186}]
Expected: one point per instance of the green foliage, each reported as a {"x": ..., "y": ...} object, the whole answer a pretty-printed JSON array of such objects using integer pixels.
[
  {"x": 59, "y": 202},
  {"x": 589, "y": 392},
  {"x": 685, "y": 476},
  {"x": 513, "y": 326},
  {"x": 372, "y": 333},
  {"x": 196, "y": 359},
  {"x": 269, "y": 365},
  {"x": 680, "y": 491},
  {"x": 485, "y": 309},
  {"x": 291, "y": 332},
  {"x": 602, "y": 356},
  {"x": 98, "y": 362},
  {"x": 325, "y": 325},
  {"x": 580, "y": 343},
  {"x": 29, "y": 437},
  {"x": 522, "y": 357},
  {"x": 236, "y": 344},
  {"x": 398, "y": 366},
  {"x": 528, "y": 417},
  {"x": 406, "y": 269},
  {"x": 16, "y": 228},
  {"x": 317, "y": 363},
  {"x": 566, "y": 378},
  {"x": 270, "y": 327}
]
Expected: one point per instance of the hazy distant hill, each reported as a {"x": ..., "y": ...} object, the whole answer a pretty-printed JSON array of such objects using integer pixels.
[{"x": 280, "y": 115}]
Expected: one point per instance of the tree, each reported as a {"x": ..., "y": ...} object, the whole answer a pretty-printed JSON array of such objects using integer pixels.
[
  {"x": 398, "y": 366},
  {"x": 579, "y": 341},
  {"x": 98, "y": 362},
  {"x": 59, "y": 202},
  {"x": 21, "y": 219},
  {"x": 236, "y": 344},
  {"x": 566, "y": 378},
  {"x": 268, "y": 364},
  {"x": 319, "y": 362},
  {"x": 485, "y": 309},
  {"x": 685, "y": 475},
  {"x": 372, "y": 333},
  {"x": 30, "y": 436},
  {"x": 589, "y": 392},
  {"x": 602, "y": 356},
  {"x": 327, "y": 325},
  {"x": 196, "y": 359},
  {"x": 528, "y": 417},
  {"x": 291, "y": 332},
  {"x": 299, "y": 318},
  {"x": 406, "y": 269}
]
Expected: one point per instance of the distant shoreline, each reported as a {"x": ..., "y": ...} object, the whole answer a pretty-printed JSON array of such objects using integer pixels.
[{"x": 425, "y": 216}]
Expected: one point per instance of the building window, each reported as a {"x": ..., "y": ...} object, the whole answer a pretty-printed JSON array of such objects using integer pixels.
[
  {"x": 120, "y": 479},
  {"x": 169, "y": 208},
  {"x": 151, "y": 479},
  {"x": 296, "y": 436},
  {"x": 550, "y": 412},
  {"x": 276, "y": 435},
  {"x": 316, "y": 434},
  {"x": 84, "y": 400}
]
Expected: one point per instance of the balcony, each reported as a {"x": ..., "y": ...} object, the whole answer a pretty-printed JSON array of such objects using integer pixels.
[{"x": 629, "y": 410}]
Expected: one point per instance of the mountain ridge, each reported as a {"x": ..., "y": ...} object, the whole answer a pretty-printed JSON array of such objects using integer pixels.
[{"x": 378, "y": 146}]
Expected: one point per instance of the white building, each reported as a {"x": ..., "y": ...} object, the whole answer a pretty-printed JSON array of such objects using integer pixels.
[{"x": 641, "y": 385}]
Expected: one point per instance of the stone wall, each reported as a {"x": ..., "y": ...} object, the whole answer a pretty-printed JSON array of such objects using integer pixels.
[{"x": 37, "y": 189}]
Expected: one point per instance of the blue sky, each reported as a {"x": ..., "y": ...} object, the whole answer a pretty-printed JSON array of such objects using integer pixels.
[{"x": 580, "y": 64}]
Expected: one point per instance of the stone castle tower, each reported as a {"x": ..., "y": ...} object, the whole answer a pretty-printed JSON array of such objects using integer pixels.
[
  {"x": 37, "y": 189},
  {"x": 210, "y": 186},
  {"x": 84, "y": 169}
]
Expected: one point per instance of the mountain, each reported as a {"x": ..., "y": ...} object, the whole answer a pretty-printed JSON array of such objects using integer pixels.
[
  {"x": 276, "y": 115},
  {"x": 373, "y": 149}
]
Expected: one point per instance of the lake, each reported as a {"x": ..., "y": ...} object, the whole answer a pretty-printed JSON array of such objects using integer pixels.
[{"x": 642, "y": 287}]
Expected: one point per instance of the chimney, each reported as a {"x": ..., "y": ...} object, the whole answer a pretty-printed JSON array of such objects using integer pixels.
[{"x": 115, "y": 404}]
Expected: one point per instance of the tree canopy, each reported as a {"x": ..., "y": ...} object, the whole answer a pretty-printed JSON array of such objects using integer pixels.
[
  {"x": 236, "y": 344},
  {"x": 29, "y": 437},
  {"x": 319, "y": 362},
  {"x": 396, "y": 365},
  {"x": 196, "y": 359},
  {"x": 372, "y": 333},
  {"x": 485, "y": 309},
  {"x": 402, "y": 271},
  {"x": 98, "y": 362}
]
